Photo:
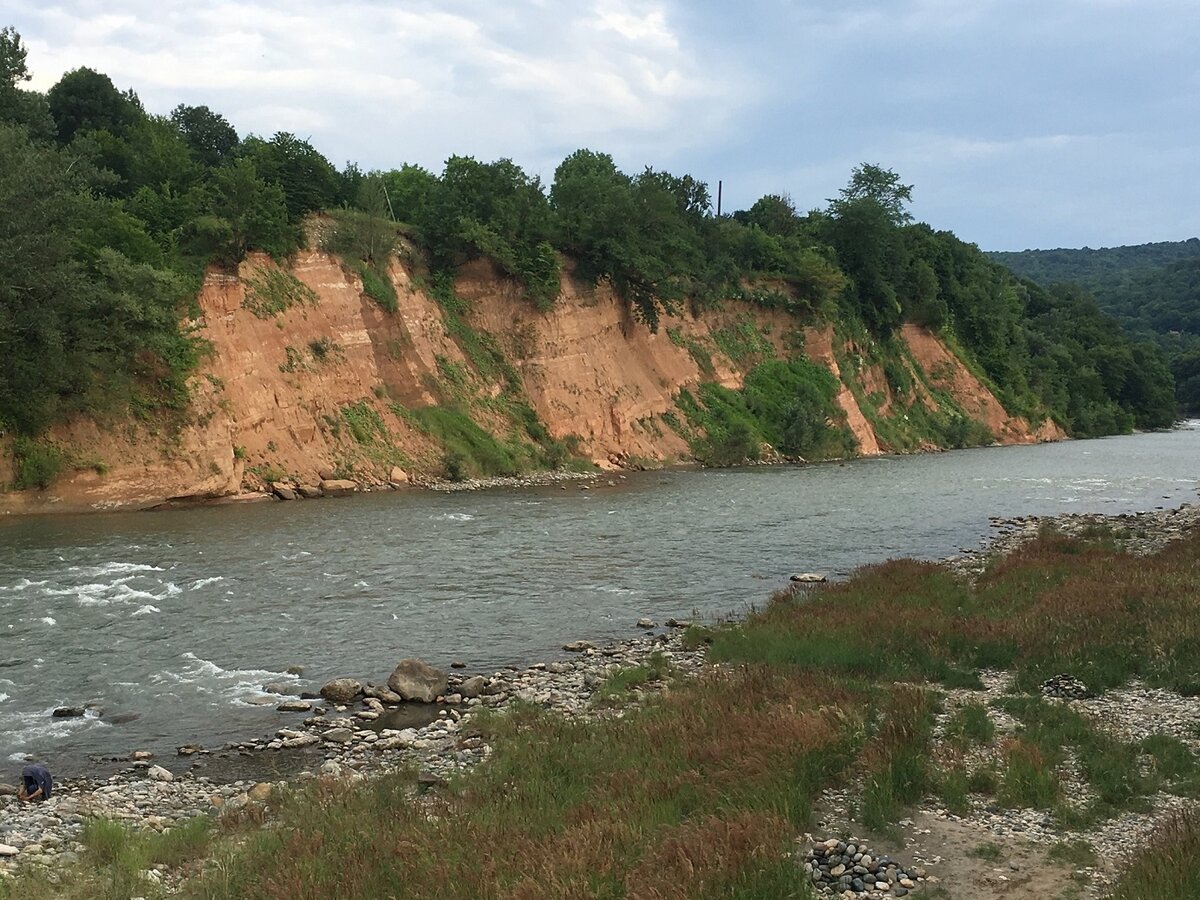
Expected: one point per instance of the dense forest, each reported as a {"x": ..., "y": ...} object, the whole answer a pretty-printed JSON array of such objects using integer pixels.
[
  {"x": 1153, "y": 289},
  {"x": 110, "y": 214}
]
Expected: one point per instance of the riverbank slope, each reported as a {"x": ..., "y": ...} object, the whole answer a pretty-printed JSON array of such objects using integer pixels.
[{"x": 308, "y": 379}]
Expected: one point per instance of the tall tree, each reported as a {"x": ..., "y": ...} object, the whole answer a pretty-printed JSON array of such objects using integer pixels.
[
  {"x": 87, "y": 100},
  {"x": 877, "y": 185},
  {"x": 309, "y": 180},
  {"x": 17, "y": 106},
  {"x": 208, "y": 135}
]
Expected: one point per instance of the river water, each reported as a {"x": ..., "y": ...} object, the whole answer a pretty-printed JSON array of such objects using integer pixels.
[{"x": 174, "y": 620}]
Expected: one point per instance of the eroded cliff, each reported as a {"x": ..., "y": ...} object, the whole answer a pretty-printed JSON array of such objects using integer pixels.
[{"x": 308, "y": 378}]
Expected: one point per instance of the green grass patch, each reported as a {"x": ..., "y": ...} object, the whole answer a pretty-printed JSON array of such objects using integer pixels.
[
  {"x": 970, "y": 724},
  {"x": 1029, "y": 780},
  {"x": 897, "y": 757},
  {"x": 1077, "y": 853},
  {"x": 988, "y": 850},
  {"x": 364, "y": 422},
  {"x": 953, "y": 789},
  {"x": 697, "y": 794},
  {"x": 270, "y": 292},
  {"x": 743, "y": 343},
  {"x": 1056, "y": 605},
  {"x": 480, "y": 347},
  {"x": 37, "y": 463},
  {"x": 115, "y": 862},
  {"x": 377, "y": 285},
  {"x": 469, "y": 451},
  {"x": 789, "y": 405},
  {"x": 618, "y": 685}
]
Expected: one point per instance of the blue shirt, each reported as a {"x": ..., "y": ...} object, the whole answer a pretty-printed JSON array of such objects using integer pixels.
[{"x": 37, "y": 777}]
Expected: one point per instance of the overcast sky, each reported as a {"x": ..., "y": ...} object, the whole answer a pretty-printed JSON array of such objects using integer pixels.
[{"x": 1021, "y": 123}]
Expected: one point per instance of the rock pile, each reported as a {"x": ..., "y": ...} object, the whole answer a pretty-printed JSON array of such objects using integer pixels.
[
  {"x": 534, "y": 479},
  {"x": 844, "y": 868},
  {"x": 1066, "y": 687}
]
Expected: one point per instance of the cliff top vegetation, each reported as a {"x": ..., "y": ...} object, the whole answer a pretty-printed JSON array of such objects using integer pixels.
[{"x": 110, "y": 215}]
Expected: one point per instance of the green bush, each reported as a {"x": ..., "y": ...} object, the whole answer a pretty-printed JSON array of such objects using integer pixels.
[
  {"x": 378, "y": 286},
  {"x": 366, "y": 425},
  {"x": 788, "y": 404},
  {"x": 270, "y": 292},
  {"x": 469, "y": 450},
  {"x": 38, "y": 463}
]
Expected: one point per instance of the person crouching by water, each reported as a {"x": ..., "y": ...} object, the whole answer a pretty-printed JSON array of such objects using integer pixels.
[{"x": 37, "y": 783}]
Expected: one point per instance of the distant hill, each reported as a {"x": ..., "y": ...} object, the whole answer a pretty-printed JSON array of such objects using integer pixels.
[
  {"x": 1096, "y": 269},
  {"x": 1153, "y": 289}
]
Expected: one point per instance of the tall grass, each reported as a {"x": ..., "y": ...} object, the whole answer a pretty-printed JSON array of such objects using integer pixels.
[
  {"x": 1167, "y": 865},
  {"x": 897, "y": 756},
  {"x": 115, "y": 863},
  {"x": 1056, "y": 605},
  {"x": 695, "y": 795}
]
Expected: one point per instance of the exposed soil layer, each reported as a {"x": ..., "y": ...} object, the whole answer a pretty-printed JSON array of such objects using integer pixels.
[{"x": 271, "y": 397}]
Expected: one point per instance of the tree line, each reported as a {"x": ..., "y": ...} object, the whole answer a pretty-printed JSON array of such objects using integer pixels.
[
  {"x": 1152, "y": 289},
  {"x": 110, "y": 214}
]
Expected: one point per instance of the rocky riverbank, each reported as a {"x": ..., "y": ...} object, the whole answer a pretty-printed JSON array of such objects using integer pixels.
[
  {"x": 351, "y": 739},
  {"x": 357, "y": 730},
  {"x": 1140, "y": 533}
]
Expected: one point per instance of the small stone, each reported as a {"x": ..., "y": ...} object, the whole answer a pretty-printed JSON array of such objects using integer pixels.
[
  {"x": 294, "y": 706},
  {"x": 158, "y": 773},
  {"x": 67, "y": 712},
  {"x": 8, "y": 850},
  {"x": 301, "y": 740},
  {"x": 473, "y": 686},
  {"x": 260, "y": 792},
  {"x": 578, "y": 646},
  {"x": 646, "y": 623},
  {"x": 428, "y": 780}
]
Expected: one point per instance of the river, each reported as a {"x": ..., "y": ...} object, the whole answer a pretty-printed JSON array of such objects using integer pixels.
[{"x": 172, "y": 621}]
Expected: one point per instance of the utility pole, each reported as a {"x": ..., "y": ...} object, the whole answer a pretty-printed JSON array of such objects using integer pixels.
[{"x": 719, "y": 184}]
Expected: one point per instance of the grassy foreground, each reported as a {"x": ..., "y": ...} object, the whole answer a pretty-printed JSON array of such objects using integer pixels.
[{"x": 699, "y": 790}]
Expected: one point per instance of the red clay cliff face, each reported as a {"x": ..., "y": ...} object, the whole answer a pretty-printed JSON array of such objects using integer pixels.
[
  {"x": 270, "y": 397},
  {"x": 946, "y": 371}
]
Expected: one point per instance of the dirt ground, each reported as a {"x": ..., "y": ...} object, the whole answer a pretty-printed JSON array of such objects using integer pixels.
[{"x": 1020, "y": 870}]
